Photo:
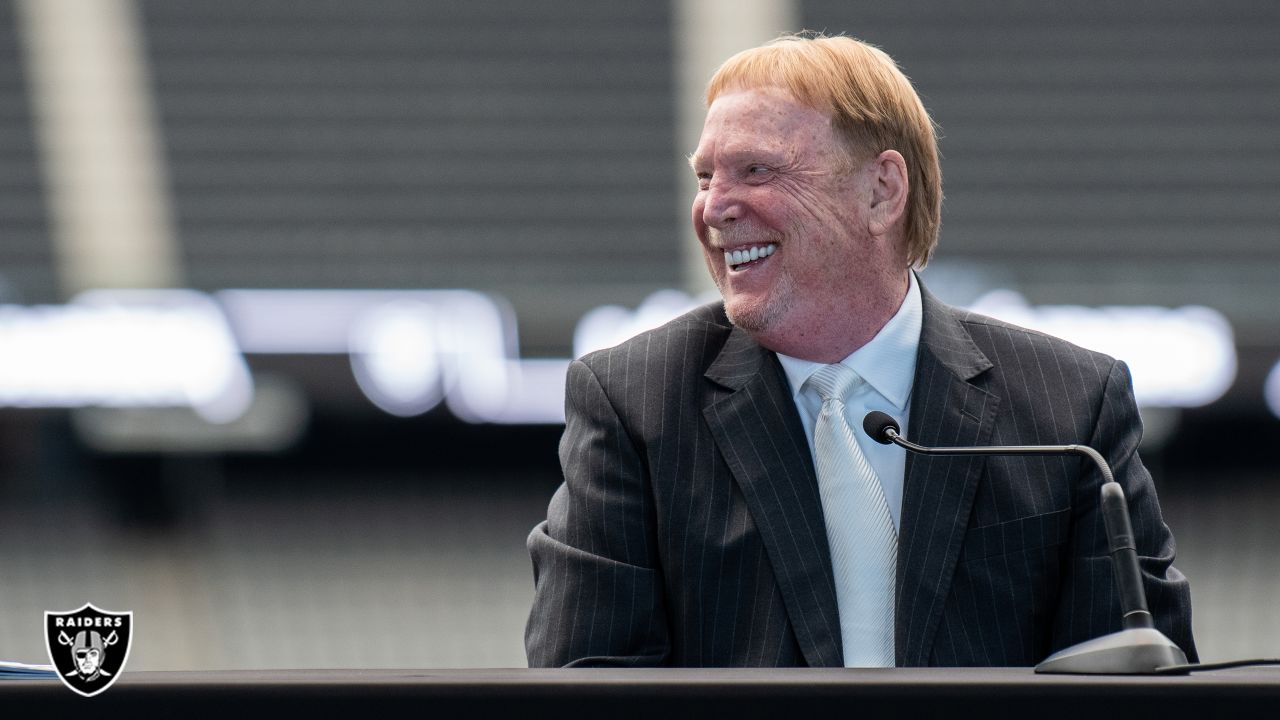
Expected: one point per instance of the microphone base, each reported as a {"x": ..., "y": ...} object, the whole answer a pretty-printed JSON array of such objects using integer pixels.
[{"x": 1138, "y": 651}]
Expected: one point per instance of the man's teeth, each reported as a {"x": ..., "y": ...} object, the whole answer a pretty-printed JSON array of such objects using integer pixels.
[{"x": 737, "y": 257}]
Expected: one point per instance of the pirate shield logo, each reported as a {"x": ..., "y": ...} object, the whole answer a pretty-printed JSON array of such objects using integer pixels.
[{"x": 88, "y": 647}]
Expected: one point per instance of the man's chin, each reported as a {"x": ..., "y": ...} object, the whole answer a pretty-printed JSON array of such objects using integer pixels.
[{"x": 754, "y": 318}]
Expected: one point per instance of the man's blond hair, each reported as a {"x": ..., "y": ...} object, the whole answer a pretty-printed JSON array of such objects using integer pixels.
[{"x": 871, "y": 103}]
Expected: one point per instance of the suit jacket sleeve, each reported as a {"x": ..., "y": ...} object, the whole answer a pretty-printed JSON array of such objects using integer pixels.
[
  {"x": 598, "y": 590},
  {"x": 1089, "y": 600}
]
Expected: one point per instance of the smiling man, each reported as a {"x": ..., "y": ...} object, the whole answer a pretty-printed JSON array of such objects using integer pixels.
[{"x": 720, "y": 506}]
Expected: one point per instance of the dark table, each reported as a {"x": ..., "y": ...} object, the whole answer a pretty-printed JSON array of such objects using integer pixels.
[{"x": 956, "y": 694}]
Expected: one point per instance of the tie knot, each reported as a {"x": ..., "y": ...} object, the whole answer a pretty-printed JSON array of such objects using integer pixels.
[{"x": 835, "y": 382}]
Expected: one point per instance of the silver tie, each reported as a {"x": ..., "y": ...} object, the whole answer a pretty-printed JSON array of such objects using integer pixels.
[{"x": 860, "y": 530}]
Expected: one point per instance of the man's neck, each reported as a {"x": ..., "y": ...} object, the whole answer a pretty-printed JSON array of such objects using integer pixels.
[{"x": 829, "y": 332}]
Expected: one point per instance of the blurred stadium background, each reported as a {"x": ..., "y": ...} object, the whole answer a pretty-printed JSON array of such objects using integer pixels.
[{"x": 330, "y": 479}]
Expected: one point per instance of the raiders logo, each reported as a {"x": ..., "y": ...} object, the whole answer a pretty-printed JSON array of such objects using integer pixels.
[{"x": 88, "y": 647}]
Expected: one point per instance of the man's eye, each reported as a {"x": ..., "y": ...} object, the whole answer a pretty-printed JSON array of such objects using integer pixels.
[
  {"x": 704, "y": 180},
  {"x": 757, "y": 169}
]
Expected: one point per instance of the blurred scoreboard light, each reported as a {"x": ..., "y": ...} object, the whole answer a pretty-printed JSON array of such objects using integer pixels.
[
  {"x": 1272, "y": 390},
  {"x": 1178, "y": 357},
  {"x": 609, "y": 325},
  {"x": 412, "y": 350},
  {"x": 124, "y": 348}
]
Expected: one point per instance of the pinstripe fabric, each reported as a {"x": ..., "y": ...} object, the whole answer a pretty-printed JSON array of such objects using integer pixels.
[{"x": 689, "y": 531}]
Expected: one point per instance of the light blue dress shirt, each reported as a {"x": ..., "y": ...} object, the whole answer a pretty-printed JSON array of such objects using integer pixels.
[{"x": 888, "y": 364}]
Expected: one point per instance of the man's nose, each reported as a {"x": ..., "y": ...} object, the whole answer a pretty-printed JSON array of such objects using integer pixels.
[{"x": 722, "y": 205}]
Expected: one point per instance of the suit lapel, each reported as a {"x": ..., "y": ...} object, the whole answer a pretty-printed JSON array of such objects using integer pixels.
[
  {"x": 758, "y": 432},
  {"x": 947, "y": 409}
]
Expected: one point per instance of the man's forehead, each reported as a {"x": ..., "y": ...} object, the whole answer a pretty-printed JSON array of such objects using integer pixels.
[{"x": 759, "y": 120}]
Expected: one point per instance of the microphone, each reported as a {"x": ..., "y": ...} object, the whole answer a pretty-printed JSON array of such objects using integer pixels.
[{"x": 1137, "y": 649}]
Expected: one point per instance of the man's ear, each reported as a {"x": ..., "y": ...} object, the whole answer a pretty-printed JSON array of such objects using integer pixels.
[{"x": 888, "y": 175}]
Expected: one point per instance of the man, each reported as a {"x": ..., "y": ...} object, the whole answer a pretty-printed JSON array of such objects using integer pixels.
[
  {"x": 721, "y": 506},
  {"x": 88, "y": 650}
]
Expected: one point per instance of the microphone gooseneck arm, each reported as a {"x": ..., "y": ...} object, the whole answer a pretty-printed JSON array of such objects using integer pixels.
[
  {"x": 1085, "y": 450},
  {"x": 1115, "y": 510}
]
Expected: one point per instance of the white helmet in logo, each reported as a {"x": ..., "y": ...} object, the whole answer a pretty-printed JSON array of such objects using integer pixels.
[{"x": 88, "y": 650}]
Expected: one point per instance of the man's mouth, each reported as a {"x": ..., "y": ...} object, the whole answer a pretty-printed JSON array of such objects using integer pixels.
[{"x": 744, "y": 257}]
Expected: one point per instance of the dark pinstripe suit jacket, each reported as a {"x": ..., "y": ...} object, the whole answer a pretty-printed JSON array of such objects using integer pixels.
[{"x": 689, "y": 532}]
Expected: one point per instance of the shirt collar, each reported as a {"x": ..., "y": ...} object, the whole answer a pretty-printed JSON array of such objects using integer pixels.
[{"x": 887, "y": 362}]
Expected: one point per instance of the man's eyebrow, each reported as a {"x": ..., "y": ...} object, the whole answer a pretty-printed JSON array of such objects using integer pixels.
[{"x": 693, "y": 160}]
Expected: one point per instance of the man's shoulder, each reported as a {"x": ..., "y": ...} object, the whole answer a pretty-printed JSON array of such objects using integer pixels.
[
  {"x": 994, "y": 333},
  {"x": 690, "y": 341},
  {"x": 1026, "y": 353}
]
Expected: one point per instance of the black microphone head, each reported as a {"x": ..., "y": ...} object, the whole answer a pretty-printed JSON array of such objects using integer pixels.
[{"x": 876, "y": 423}]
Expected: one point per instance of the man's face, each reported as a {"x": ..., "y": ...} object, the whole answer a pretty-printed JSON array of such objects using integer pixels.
[
  {"x": 87, "y": 660},
  {"x": 775, "y": 182}
]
